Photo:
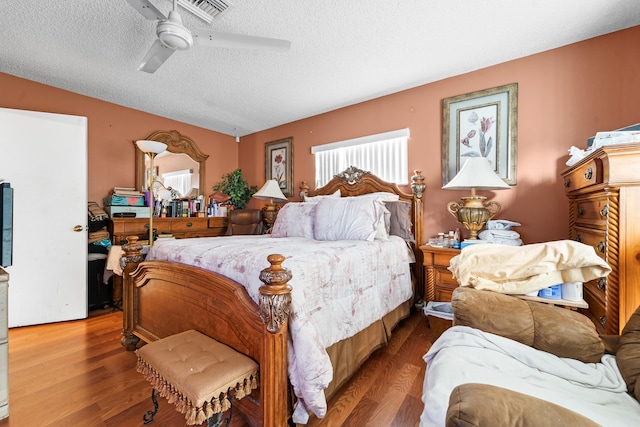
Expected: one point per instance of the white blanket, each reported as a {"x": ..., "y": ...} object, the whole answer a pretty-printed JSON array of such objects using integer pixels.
[
  {"x": 465, "y": 355},
  {"x": 339, "y": 288}
]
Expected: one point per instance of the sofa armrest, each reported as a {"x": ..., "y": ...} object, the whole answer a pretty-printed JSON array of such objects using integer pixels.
[
  {"x": 545, "y": 327},
  {"x": 487, "y": 405}
]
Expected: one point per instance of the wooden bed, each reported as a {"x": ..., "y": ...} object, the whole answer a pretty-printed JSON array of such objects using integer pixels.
[{"x": 157, "y": 294}]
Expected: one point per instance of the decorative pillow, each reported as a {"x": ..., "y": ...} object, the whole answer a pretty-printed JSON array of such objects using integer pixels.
[
  {"x": 295, "y": 220},
  {"x": 347, "y": 218},
  {"x": 628, "y": 354},
  {"x": 316, "y": 199},
  {"x": 400, "y": 221}
]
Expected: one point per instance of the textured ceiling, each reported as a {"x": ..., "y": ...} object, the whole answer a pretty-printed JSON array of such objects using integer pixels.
[{"x": 342, "y": 52}]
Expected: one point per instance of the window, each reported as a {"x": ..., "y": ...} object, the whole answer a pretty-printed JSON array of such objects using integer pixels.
[
  {"x": 383, "y": 154},
  {"x": 182, "y": 181}
]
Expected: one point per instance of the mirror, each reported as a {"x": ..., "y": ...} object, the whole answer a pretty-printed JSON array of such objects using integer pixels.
[{"x": 184, "y": 155}]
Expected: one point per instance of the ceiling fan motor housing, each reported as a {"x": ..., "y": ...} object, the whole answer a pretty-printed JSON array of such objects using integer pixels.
[{"x": 173, "y": 34}]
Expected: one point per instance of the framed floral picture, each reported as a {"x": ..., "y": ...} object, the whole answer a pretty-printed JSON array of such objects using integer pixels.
[
  {"x": 279, "y": 163},
  {"x": 481, "y": 124}
]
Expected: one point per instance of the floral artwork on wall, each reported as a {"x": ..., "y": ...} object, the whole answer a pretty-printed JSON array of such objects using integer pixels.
[
  {"x": 481, "y": 124},
  {"x": 279, "y": 164}
]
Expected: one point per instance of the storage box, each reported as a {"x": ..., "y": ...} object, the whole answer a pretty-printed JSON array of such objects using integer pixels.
[
  {"x": 139, "y": 211},
  {"x": 440, "y": 317},
  {"x": 117, "y": 200}
]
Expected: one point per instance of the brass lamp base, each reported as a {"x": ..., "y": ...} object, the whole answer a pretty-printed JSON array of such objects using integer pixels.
[
  {"x": 474, "y": 213},
  {"x": 269, "y": 215}
]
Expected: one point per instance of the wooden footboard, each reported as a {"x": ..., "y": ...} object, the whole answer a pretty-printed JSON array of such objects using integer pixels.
[{"x": 162, "y": 299}]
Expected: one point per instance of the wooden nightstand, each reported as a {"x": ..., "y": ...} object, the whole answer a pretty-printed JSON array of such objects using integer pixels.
[{"x": 439, "y": 283}]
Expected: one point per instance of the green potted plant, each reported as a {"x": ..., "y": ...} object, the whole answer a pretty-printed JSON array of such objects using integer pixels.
[{"x": 234, "y": 185}]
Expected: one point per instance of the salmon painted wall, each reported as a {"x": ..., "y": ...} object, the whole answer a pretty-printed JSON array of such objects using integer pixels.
[
  {"x": 112, "y": 128},
  {"x": 565, "y": 95}
]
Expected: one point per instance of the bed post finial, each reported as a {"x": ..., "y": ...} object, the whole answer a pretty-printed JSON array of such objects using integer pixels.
[
  {"x": 417, "y": 183},
  {"x": 275, "y": 294},
  {"x": 304, "y": 190}
]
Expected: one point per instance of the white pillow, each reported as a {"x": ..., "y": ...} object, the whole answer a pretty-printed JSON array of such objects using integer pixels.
[
  {"x": 383, "y": 196},
  {"x": 316, "y": 199},
  {"x": 295, "y": 220},
  {"x": 347, "y": 218}
]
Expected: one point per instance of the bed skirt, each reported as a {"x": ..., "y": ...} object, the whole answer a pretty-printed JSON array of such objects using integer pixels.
[{"x": 348, "y": 355}]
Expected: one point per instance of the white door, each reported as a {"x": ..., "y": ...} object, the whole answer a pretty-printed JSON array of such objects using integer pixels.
[{"x": 44, "y": 157}]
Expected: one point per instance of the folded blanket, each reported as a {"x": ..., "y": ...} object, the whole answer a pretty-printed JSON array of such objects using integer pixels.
[
  {"x": 501, "y": 237},
  {"x": 501, "y": 224},
  {"x": 522, "y": 269}
]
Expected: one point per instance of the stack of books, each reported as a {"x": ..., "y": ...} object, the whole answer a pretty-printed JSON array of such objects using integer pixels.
[{"x": 126, "y": 202}]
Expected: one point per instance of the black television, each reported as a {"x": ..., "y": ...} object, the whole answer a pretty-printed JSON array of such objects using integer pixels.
[{"x": 6, "y": 224}]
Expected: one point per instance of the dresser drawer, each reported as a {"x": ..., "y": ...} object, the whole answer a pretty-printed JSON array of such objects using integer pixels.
[
  {"x": 597, "y": 288},
  {"x": 584, "y": 176},
  {"x": 592, "y": 211},
  {"x": 189, "y": 224},
  {"x": 596, "y": 311},
  {"x": 595, "y": 238}
]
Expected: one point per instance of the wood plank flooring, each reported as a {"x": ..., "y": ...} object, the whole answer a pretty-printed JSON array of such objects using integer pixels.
[{"x": 76, "y": 373}]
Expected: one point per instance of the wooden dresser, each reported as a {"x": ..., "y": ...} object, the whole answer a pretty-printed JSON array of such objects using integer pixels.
[
  {"x": 439, "y": 283},
  {"x": 604, "y": 211},
  {"x": 180, "y": 228}
]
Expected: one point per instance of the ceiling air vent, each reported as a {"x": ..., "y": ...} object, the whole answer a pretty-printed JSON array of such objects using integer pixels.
[{"x": 206, "y": 9}]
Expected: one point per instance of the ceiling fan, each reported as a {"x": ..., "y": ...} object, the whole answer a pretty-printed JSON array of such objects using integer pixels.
[{"x": 172, "y": 36}]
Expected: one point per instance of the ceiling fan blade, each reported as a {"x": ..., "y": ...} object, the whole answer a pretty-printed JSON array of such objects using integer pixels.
[
  {"x": 238, "y": 41},
  {"x": 146, "y": 9},
  {"x": 156, "y": 56}
]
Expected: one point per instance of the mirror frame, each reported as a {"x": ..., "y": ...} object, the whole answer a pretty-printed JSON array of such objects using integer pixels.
[{"x": 178, "y": 144}]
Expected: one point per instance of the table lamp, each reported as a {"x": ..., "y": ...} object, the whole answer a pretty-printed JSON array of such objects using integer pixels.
[
  {"x": 270, "y": 191},
  {"x": 476, "y": 174},
  {"x": 151, "y": 149}
]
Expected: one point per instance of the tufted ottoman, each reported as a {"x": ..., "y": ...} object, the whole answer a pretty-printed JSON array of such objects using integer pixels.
[{"x": 196, "y": 373}]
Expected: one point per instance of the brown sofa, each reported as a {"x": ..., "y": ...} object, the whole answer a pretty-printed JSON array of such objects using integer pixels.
[{"x": 546, "y": 328}]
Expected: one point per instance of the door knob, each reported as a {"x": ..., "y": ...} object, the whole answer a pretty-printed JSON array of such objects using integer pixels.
[{"x": 77, "y": 228}]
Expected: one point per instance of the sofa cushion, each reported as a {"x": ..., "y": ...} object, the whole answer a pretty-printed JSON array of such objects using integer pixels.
[
  {"x": 628, "y": 355},
  {"x": 493, "y": 312},
  {"x": 487, "y": 405},
  {"x": 545, "y": 327}
]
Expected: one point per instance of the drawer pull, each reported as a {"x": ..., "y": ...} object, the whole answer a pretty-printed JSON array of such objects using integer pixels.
[
  {"x": 580, "y": 211},
  {"x": 603, "y": 320},
  {"x": 602, "y": 283},
  {"x": 579, "y": 238},
  {"x": 604, "y": 211},
  {"x": 567, "y": 182},
  {"x": 600, "y": 247},
  {"x": 588, "y": 174},
  {"x": 189, "y": 224},
  {"x": 146, "y": 226}
]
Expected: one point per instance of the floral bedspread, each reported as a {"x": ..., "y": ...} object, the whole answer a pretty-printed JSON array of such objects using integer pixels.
[{"x": 339, "y": 288}]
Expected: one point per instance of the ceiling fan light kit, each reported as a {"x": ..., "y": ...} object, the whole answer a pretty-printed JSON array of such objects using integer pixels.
[{"x": 173, "y": 34}]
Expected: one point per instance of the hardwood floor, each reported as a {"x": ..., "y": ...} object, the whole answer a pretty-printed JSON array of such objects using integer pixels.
[{"x": 76, "y": 373}]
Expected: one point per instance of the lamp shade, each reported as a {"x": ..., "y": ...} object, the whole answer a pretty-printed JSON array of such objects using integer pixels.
[
  {"x": 476, "y": 173},
  {"x": 270, "y": 191},
  {"x": 147, "y": 146}
]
